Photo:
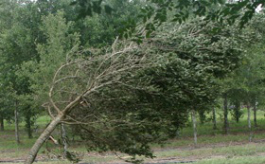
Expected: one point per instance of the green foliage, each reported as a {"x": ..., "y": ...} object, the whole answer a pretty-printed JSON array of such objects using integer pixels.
[
  {"x": 59, "y": 48},
  {"x": 156, "y": 12},
  {"x": 101, "y": 29},
  {"x": 246, "y": 83},
  {"x": 17, "y": 46}
]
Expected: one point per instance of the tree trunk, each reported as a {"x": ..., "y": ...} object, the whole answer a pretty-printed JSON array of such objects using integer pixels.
[
  {"x": 255, "y": 115},
  {"x": 64, "y": 139},
  {"x": 249, "y": 123},
  {"x": 226, "y": 123},
  {"x": 16, "y": 125},
  {"x": 28, "y": 123},
  {"x": 237, "y": 112},
  {"x": 44, "y": 135},
  {"x": 214, "y": 120},
  {"x": 2, "y": 128},
  {"x": 193, "y": 116}
]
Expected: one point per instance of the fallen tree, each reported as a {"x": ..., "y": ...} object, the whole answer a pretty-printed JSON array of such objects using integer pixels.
[{"x": 89, "y": 92}]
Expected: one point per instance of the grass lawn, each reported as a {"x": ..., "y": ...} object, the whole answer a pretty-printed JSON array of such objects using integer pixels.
[
  {"x": 213, "y": 146},
  {"x": 235, "y": 160}
]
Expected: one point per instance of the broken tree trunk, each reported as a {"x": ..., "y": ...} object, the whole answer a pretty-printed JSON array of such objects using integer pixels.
[{"x": 45, "y": 134}]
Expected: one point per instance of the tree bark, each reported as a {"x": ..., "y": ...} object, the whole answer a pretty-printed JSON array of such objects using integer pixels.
[
  {"x": 64, "y": 140},
  {"x": 44, "y": 135},
  {"x": 16, "y": 124},
  {"x": 255, "y": 115},
  {"x": 28, "y": 124},
  {"x": 226, "y": 123},
  {"x": 214, "y": 120},
  {"x": 2, "y": 128},
  {"x": 237, "y": 111},
  {"x": 249, "y": 123},
  {"x": 193, "y": 116}
]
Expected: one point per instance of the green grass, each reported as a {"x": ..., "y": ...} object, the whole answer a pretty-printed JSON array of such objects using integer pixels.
[
  {"x": 213, "y": 146},
  {"x": 234, "y": 160},
  {"x": 219, "y": 150}
]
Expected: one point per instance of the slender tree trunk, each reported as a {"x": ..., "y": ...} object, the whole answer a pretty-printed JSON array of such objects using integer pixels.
[
  {"x": 226, "y": 123},
  {"x": 214, "y": 120},
  {"x": 193, "y": 116},
  {"x": 44, "y": 135},
  {"x": 28, "y": 123},
  {"x": 255, "y": 115},
  {"x": 64, "y": 139},
  {"x": 2, "y": 128},
  {"x": 249, "y": 123},
  {"x": 16, "y": 124},
  {"x": 237, "y": 111}
]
